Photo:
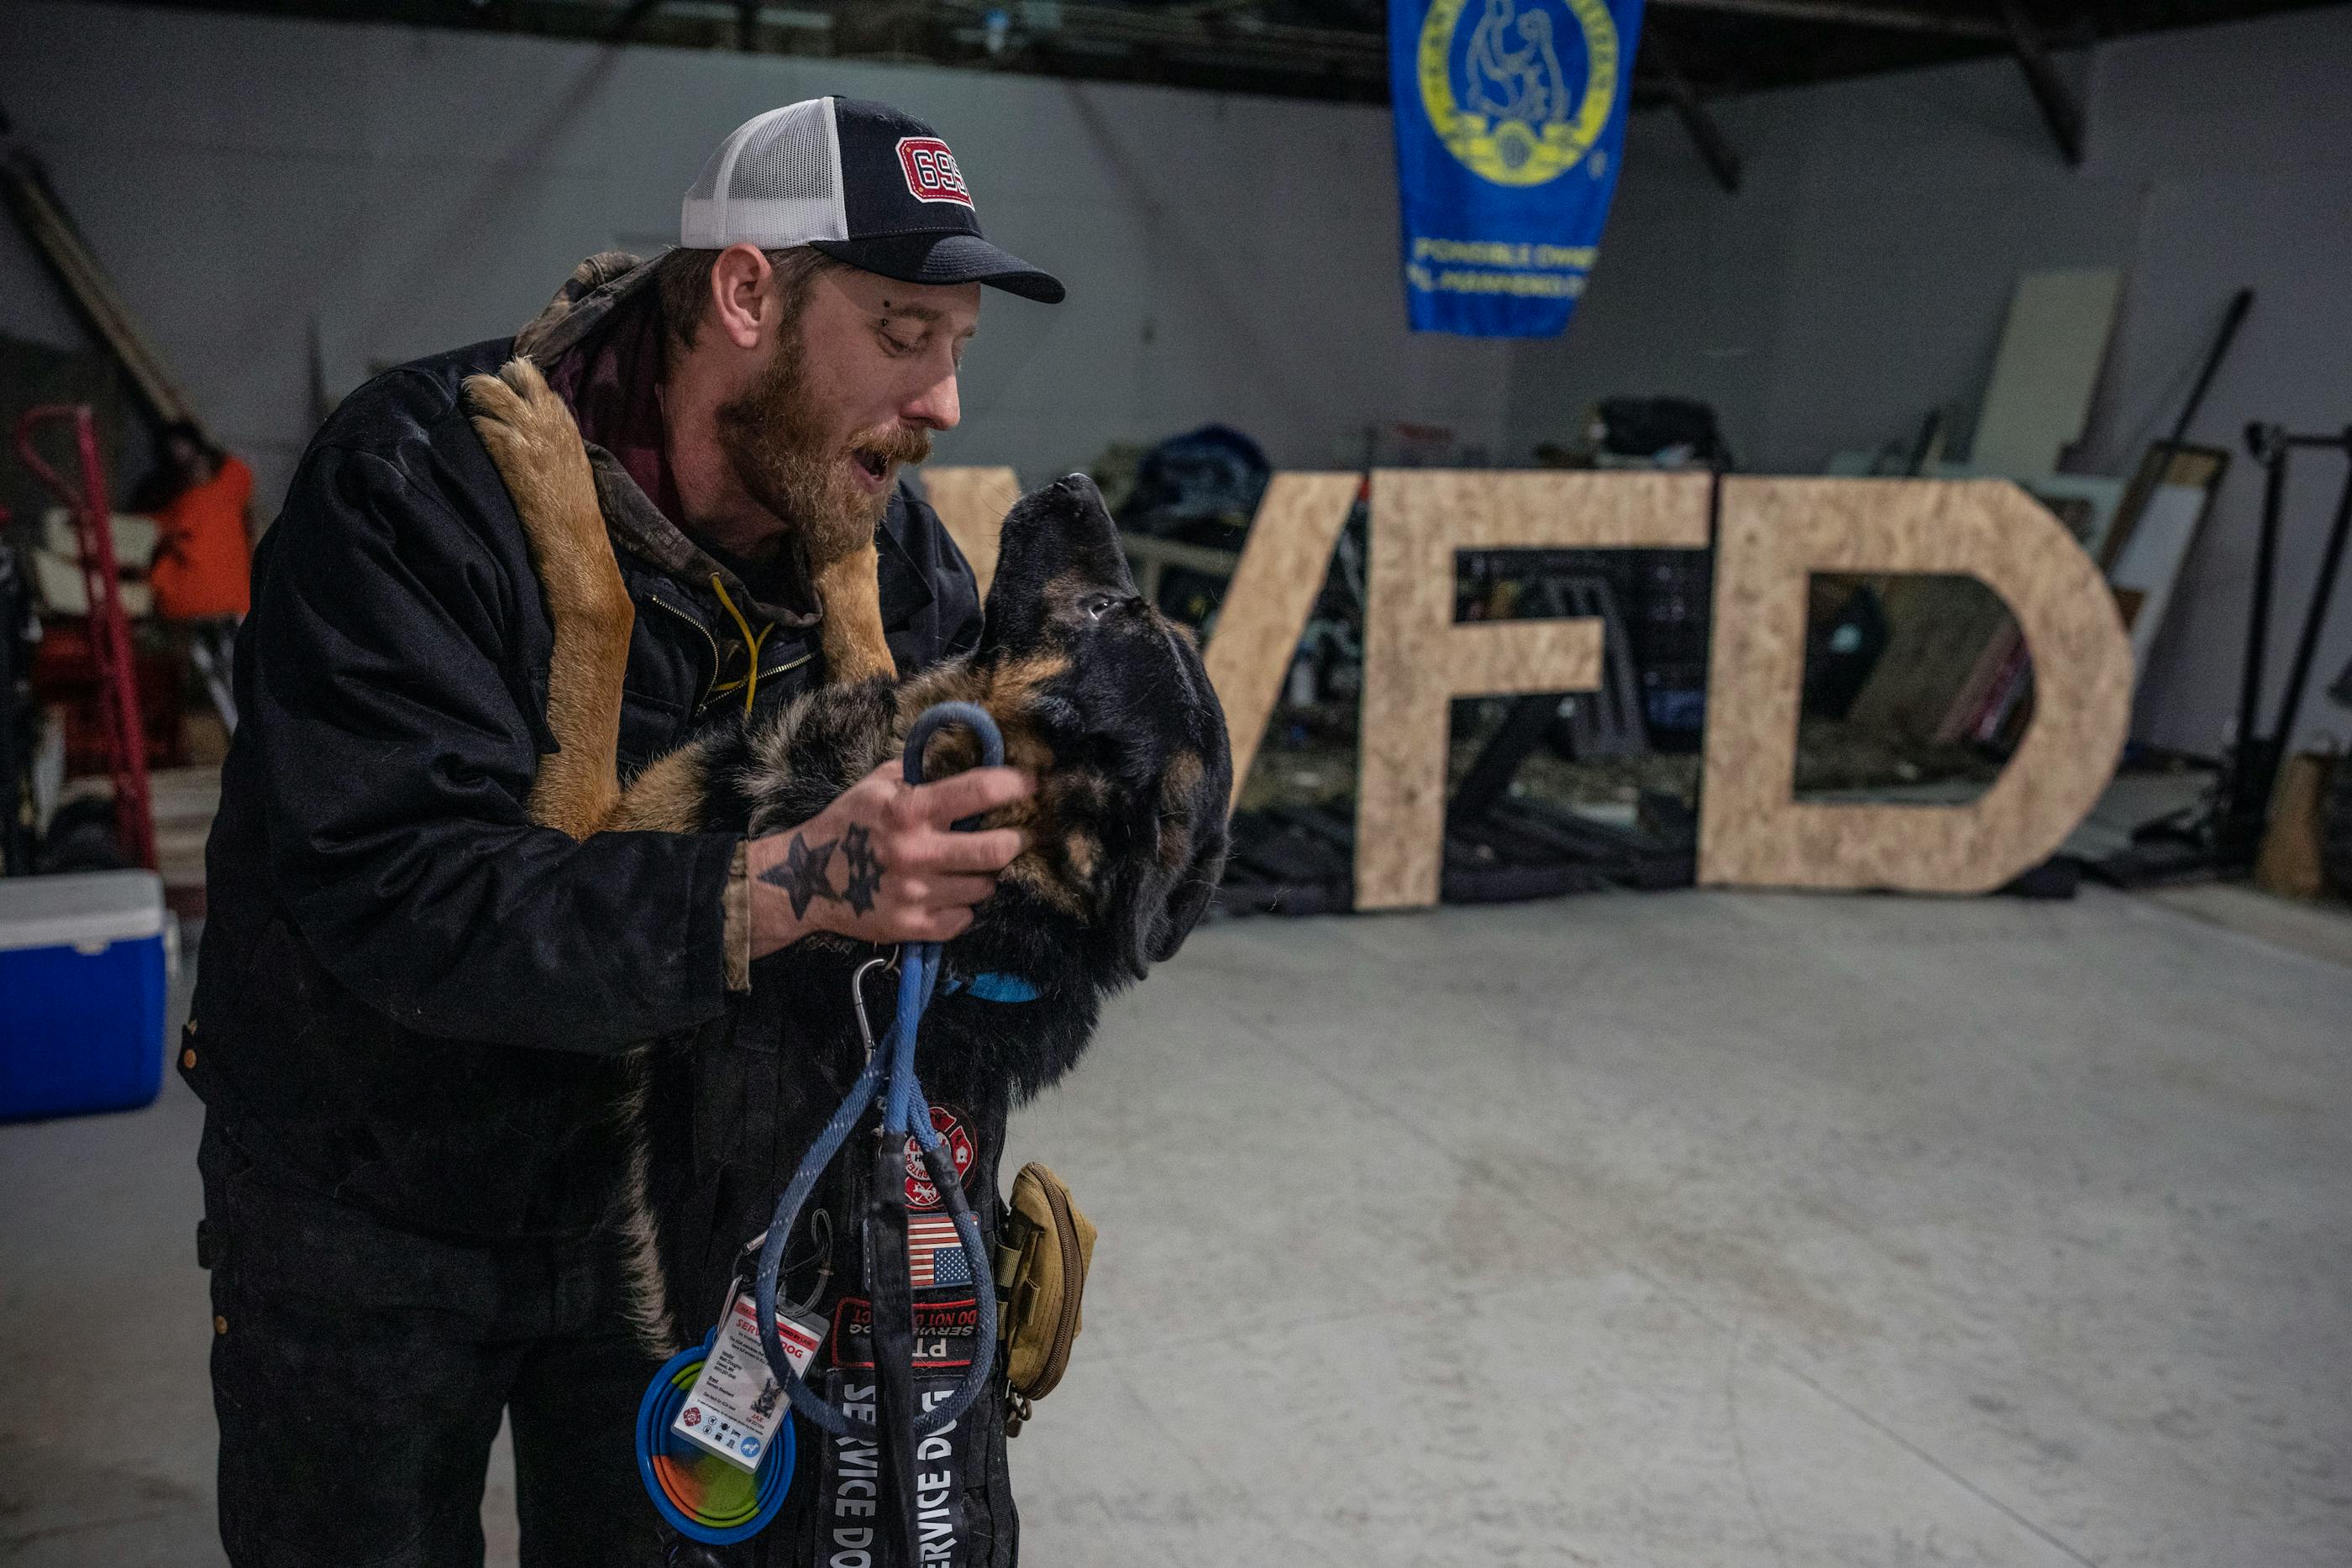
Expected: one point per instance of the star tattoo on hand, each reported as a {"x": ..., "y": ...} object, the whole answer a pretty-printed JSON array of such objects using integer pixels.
[
  {"x": 805, "y": 874},
  {"x": 864, "y": 868},
  {"x": 802, "y": 876}
]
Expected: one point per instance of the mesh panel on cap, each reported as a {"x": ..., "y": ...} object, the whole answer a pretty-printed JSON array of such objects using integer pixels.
[
  {"x": 776, "y": 181},
  {"x": 789, "y": 159},
  {"x": 706, "y": 184}
]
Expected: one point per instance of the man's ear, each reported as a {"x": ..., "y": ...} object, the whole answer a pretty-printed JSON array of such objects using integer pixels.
[{"x": 740, "y": 296}]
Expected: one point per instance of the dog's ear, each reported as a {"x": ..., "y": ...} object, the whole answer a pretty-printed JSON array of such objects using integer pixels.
[
  {"x": 1171, "y": 888},
  {"x": 1060, "y": 537}
]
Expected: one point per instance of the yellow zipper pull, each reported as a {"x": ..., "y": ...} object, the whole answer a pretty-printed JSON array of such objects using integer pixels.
[{"x": 750, "y": 643}]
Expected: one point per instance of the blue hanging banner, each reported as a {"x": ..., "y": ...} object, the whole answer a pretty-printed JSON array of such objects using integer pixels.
[{"x": 1509, "y": 118}]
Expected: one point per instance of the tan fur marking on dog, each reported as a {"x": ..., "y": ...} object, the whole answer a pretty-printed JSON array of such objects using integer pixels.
[
  {"x": 667, "y": 798},
  {"x": 530, "y": 437},
  {"x": 1031, "y": 872},
  {"x": 1179, "y": 780},
  {"x": 1178, "y": 785},
  {"x": 1081, "y": 851},
  {"x": 1060, "y": 864},
  {"x": 1018, "y": 680},
  {"x": 955, "y": 681},
  {"x": 1026, "y": 749},
  {"x": 851, "y": 633}
]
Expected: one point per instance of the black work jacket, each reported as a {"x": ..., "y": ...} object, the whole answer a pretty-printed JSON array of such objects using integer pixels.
[{"x": 410, "y": 997}]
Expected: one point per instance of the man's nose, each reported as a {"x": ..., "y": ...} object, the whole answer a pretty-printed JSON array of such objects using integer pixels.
[{"x": 937, "y": 406}]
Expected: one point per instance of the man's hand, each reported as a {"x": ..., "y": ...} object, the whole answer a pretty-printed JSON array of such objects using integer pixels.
[{"x": 883, "y": 863}]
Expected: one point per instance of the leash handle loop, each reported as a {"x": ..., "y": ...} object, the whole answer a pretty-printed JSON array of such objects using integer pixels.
[{"x": 907, "y": 1112}]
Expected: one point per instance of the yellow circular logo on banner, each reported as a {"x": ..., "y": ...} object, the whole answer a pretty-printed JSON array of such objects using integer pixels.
[{"x": 1515, "y": 121}]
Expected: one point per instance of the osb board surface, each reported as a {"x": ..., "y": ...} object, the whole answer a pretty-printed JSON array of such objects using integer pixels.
[
  {"x": 1479, "y": 508},
  {"x": 1495, "y": 657},
  {"x": 1772, "y": 533},
  {"x": 972, "y": 503},
  {"x": 1264, "y": 611},
  {"x": 1416, "y": 660}
]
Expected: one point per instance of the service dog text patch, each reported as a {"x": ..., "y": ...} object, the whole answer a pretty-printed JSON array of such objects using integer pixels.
[
  {"x": 850, "y": 1522},
  {"x": 932, "y": 172},
  {"x": 945, "y": 1333}
]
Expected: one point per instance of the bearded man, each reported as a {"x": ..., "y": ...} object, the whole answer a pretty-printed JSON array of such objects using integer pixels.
[{"x": 412, "y": 1001}]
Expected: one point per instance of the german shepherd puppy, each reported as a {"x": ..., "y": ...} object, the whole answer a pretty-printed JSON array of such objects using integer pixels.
[{"x": 1098, "y": 696}]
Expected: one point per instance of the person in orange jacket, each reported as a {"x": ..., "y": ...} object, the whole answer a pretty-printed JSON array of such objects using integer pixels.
[{"x": 202, "y": 574}]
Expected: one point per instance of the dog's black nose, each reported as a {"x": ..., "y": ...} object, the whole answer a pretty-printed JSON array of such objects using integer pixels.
[{"x": 1078, "y": 485}]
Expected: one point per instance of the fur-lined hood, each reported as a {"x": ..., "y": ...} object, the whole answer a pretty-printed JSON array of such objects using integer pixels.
[
  {"x": 597, "y": 287},
  {"x": 563, "y": 340}
]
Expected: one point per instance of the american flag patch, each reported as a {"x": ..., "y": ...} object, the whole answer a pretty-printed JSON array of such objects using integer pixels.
[{"x": 934, "y": 1252}]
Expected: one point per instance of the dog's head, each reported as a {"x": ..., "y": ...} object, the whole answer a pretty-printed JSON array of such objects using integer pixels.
[{"x": 1130, "y": 816}]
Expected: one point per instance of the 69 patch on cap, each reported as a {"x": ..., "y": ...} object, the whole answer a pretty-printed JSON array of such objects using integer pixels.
[{"x": 932, "y": 172}]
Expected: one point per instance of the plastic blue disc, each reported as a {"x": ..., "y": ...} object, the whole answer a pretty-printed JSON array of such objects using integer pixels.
[{"x": 703, "y": 1497}]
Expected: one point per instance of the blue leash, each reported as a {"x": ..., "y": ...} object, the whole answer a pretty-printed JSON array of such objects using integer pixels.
[{"x": 905, "y": 1112}]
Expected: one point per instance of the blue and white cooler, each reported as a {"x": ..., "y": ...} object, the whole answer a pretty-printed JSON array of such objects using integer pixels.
[{"x": 83, "y": 976}]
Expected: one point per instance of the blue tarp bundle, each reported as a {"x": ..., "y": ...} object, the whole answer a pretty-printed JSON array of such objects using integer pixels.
[{"x": 1510, "y": 115}]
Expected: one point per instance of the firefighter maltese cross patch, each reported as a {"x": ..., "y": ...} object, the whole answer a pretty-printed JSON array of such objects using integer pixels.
[
  {"x": 921, "y": 1193},
  {"x": 932, "y": 172}
]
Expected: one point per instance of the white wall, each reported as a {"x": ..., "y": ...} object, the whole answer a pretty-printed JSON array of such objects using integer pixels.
[
  {"x": 1861, "y": 277},
  {"x": 1234, "y": 259},
  {"x": 410, "y": 190}
]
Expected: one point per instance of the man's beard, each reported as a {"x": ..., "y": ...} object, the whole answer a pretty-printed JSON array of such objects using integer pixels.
[{"x": 775, "y": 436}]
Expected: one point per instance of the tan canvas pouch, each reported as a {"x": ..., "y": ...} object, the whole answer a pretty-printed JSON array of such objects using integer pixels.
[{"x": 1042, "y": 1250}]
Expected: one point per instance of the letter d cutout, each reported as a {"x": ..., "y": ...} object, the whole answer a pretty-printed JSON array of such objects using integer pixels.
[{"x": 1771, "y": 534}]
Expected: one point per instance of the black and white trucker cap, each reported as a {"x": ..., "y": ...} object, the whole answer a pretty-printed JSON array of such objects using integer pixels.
[{"x": 860, "y": 182}]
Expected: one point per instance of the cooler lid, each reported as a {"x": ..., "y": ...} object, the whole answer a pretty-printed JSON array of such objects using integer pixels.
[{"x": 80, "y": 906}]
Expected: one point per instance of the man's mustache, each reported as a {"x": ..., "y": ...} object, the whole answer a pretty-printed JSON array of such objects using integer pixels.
[{"x": 895, "y": 444}]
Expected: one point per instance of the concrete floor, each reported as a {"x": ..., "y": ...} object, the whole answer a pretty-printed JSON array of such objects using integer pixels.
[{"x": 1699, "y": 1229}]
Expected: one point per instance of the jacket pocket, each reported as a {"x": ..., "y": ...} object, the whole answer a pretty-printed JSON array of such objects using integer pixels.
[
  {"x": 284, "y": 1246},
  {"x": 651, "y": 727}
]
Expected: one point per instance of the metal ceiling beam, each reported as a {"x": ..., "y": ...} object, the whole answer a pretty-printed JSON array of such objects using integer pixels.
[
  {"x": 1715, "y": 148},
  {"x": 2051, "y": 92},
  {"x": 1173, "y": 45},
  {"x": 1851, "y": 14}
]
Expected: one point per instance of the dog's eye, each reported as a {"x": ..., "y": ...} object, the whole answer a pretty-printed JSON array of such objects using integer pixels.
[{"x": 1097, "y": 605}]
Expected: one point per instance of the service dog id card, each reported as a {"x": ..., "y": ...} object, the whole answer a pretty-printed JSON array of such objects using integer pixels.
[{"x": 736, "y": 1402}]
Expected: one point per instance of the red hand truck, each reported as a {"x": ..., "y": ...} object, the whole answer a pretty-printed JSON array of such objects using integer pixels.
[{"x": 134, "y": 811}]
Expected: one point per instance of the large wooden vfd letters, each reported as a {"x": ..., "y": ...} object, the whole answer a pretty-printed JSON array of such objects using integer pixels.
[{"x": 1772, "y": 535}]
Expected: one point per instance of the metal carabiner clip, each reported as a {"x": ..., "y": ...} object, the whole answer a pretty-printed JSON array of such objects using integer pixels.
[{"x": 858, "y": 995}]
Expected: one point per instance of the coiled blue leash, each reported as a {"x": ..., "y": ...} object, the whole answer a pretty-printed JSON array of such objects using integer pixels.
[{"x": 905, "y": 1113}]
